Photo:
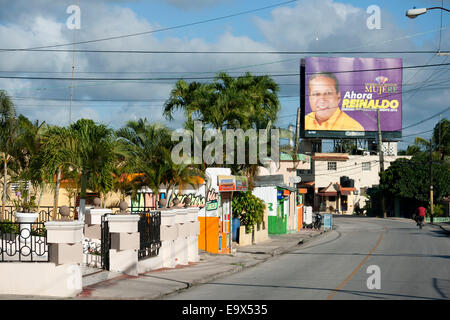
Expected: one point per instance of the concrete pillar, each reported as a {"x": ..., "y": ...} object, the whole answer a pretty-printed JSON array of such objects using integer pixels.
[
  {"x": 194, "y": 231},
  {"x": 181, "y": 243},
  {"x": 125, "y": 243},
  {"x": 168, "y": 235}
]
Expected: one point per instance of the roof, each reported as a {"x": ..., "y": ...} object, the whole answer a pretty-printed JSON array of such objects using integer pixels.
[
  {"x": 283, "y": 186},
  {"x": 330, "y": 156},
  {"x": 274, "y": 180},
  {"x": 269, "y": 180},
  {"x": 334, "y": 188}
]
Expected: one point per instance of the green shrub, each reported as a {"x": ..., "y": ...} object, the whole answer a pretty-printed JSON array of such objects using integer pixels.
[
  {"x": 438, "y": 210},
  {"x": 249, "y": 209},
  {"x": 8, "y": 227}
]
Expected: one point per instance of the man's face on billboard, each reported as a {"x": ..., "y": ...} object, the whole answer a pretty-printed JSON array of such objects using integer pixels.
[{"x": 323, "y": 98}]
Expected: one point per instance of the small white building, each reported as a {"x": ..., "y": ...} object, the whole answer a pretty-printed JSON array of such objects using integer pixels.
[{"x": 339, "y": 181}]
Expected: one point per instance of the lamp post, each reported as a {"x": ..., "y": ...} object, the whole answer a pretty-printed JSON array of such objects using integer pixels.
[{"x": 414, "y": 13}]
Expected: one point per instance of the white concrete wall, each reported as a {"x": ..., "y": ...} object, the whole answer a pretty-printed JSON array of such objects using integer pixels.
[
  {"x": 179, "y": 244},
  {"x": 40, "y": 278},
  {"x": 269, "y": 196}
]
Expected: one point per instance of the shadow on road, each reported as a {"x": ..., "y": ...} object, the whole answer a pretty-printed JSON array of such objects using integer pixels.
[
  {"x": 413, "y": 255},
  {"x": 376, "y": 295}
]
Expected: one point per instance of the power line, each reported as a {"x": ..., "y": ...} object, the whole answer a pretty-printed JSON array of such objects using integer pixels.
[
  {"x": 211, "y": 78},
  {"x": 431, "y": 117},
  {"x": 162, "y": 29},
  {"x": 417, "y": 133},
  {"x": 217, "y": 52}
]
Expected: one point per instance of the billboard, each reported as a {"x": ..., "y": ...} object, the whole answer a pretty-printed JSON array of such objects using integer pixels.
[{"x": 340, "y": 97}]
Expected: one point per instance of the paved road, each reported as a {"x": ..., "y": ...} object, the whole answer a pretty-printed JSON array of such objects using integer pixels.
[{"x": 413, "y": 264}]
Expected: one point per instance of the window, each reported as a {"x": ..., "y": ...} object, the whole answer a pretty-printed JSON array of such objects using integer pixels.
[
  {"x": 332, "y": 166},
  {"x": 366, "y": 166}
]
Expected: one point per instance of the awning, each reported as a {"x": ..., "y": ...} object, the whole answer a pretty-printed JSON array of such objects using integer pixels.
[
  {"x": 306, "y": 184},
  {"x": 327, "y": 194},
  {"x": 283, "y": 186},
  {"x": 346, "y": 191},
  {"x": 268, "y": 181}
]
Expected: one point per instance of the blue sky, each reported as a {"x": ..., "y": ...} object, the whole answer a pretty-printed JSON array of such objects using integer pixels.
[{"x": 303, "y": 25}]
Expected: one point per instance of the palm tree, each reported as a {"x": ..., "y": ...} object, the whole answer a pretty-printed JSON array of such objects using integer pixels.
[
  {"x": 8, "y": 139},
  {"x": 56, "y": 156},
  {"x": 31, "y": 134},
  {"x": 246, "y": 102},
  {"x": 149, "y": 147},
  {"x": 93, "y": 156},
  {"x": 149, "y": 154},
  {"x": 441, "y": 138}
]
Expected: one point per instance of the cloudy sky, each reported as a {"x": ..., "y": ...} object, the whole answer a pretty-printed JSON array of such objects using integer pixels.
[{"x": 303, "y": 25}]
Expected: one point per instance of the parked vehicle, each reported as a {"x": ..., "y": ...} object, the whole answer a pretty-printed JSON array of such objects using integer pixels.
[
  {"x": 318, "y": 221},
  {"x": 316, "y": 224}
]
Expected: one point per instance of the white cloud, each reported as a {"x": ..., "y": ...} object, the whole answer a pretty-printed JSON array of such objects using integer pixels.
[{"x": 337, "y": 26}]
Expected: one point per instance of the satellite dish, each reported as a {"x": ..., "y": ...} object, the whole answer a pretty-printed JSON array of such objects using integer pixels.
[{"x": 295, "y": 179}]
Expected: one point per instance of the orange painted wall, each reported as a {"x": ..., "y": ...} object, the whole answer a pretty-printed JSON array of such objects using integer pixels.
[
  {"x": 208, "y": 238},
  {"x": 300, "y": 217}
]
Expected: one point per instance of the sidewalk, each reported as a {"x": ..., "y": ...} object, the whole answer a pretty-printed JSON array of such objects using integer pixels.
[
  {"x": 443, "y": 225},
  {"x": 102, "y": 284},
  {"x": 158, "y": 283}
]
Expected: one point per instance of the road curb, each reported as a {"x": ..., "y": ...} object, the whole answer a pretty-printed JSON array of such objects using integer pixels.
[{"x": 445, "y": 230}]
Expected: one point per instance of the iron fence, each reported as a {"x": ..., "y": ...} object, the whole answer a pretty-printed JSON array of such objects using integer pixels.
[
  {"x": 23, "y": 242},
  {"x": 149, "y": 232},
  {"x": 105, "y": 242}
]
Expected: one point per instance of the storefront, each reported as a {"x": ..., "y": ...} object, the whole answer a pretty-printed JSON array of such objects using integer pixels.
[
  {"x": 277, "y": 196},
  {"x": 215, "y": 217}
]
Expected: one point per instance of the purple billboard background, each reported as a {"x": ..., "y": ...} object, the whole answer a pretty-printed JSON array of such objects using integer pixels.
[{"x": 356, "y": 81}]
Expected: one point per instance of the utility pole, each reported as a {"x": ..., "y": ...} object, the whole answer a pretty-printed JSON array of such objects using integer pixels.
[
  {"x": 431, "y": 180},
  {"x": 297, "y": 131},
  {"x": 380, "y": 153},
  {"x": 73, "y": 71}
]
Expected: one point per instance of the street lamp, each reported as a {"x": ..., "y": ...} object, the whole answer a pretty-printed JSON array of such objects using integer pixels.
[{"x": 413, "y": 13}]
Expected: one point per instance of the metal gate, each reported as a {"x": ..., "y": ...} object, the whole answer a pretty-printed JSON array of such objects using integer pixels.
[
  {"x": 149, "y": 232},
  {"x": 106, "y": 243}
]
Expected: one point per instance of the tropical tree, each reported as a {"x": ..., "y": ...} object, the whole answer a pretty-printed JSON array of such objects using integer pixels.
[
  {"x": 8, "y": 139},
  {"x": 149, "y": 148},
  {"x": 440, "y": 143},
  {"x": 441, "y": 138},
  {"x": 247, "y": 102},
  {"x": 93, "y": 155},
  {"x": 149, "y": 157},
  {"x": 409, "y": 179},
  {"x": 31, "y": 134},
  {"x": 244, "y": 102},
  {"x": 56, "y": 157}
]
